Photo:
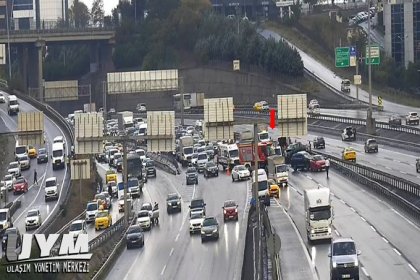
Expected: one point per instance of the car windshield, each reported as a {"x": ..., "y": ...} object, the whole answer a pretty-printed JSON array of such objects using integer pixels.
[
  {"x": 241, "y": 168},
  {"x": 92, "y": 207},
  {"x": 8, "y": 177},
  {"x": 263, "y": 136},
  {"x": 20, "y": 150},
  {"x": 188, "y": 150},
  {"x": 346, "y": 83},
  {"x": 32, "y": 214},
  {"x": 210, "y": 164},
  {"x": 100, "y": 196},
  {"x": 370, "y": 142},
  {"x": 146, "y": 207},
  {"x": 50, "y": 183},
  {"x": 196, "y": 203},
  {"x": 281, "y": 168},
  {"x": 322, "y": 214},
  {"x": 197, "y": 215},
  {"x": 57, "y": 153},
  {"x": 414, "y": 114},
  {"x": 2, "y": 216},
  {"x": 20, "y": 180},
  {"x": 143, "y": 214},
  {"x": 75, "y": 227},
  {"x": 230, "y": 203},
  {"x": 209, "y": 222},
  {"x": 102, "y": 214},
  {"x": 202, "y": 156},
  {"x": 191, "y": 170},
  {"x": 172, "y": 197},
  {"x": 140, "y": 153},
  {"x": 195, "y": 156},
  {"x": 262, "y": 185},
  {"x": 150, "y": 163},
  {"x": 344, "y": 249},
  {"x": 318, "y": 157},
  {"x": 23, "y": 158},
  {"x": 133, "y": 229},
  {"x": 133, "y": 183},
  {"x": 233, "y": 153},
  {"x": 42, "y": 151}
]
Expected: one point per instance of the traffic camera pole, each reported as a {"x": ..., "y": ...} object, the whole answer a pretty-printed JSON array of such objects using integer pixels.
[
  {"x": 257, "y": 202},
  {"x": 181, "y": 89},
  {"x": 125, "y": 180}
]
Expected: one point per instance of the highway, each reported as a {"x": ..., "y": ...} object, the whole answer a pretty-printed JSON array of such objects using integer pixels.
[
  {"x": 170, "y": 252},
  {"x": 328, "y": 76},
  {"x": 34, "y": 198},
  {"x": 384, "y": 235}
]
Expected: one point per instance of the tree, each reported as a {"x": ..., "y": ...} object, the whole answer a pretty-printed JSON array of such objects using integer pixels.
[
  {"x": 97, "y": 13},
  {"x": 311, "y": 3},
  {"x": 79, "y": 14}
]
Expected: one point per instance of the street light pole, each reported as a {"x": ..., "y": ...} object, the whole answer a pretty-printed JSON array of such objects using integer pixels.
[
  {"x": 181, "y": 89},
  {"x": 369, "y": 126},
  {"x": 8, "y": 40},
  {"x": 257, "y": 202}
]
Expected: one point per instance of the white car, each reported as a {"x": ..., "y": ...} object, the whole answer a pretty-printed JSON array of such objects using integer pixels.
[
  {"x": 240, "y": 172},
  {"x": 51, "y": 188},
  {"x": 141, "y": 108},
  {"x": 2, "y": 98},
  {"x": 91, "y": 210},
  {"x": 77, "y": 227},
  {"x": 142, "y": 154},
  {"x": 14, "y": 168},
  {"x": 25, "y": 162},
  {"x": 143, "y": 219},
  {"x": 196, "y": 219},
  {"x": 33, "y": 219},
  {"x": 8, "y": 181},
  {"x": 202, "y": 159}
]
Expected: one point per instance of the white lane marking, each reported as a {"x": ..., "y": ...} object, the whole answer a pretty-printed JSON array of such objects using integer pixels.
[
  {"x": 389, "y": 168},
  {"x": 193, "y": 192},
  {"x": 342, "y": 201},
  {"x": 336, "y": 232},
  {"x": 321, "y": 186},
  {"x": 176, "y": 238},
  {"x": 384, "y": 239},
  {"x": 163, "y": 270},
  {"x": 309, "y": 177},
  {"x": 396, "y": 160},
  {"x": 373, "y": 228},
  {"x": 294, "y": 188},
  {"x": 352, "y": 209},
  {"x": 418, "y": 177},
  {"x": 405, "y": 218},
  {"x": 365, "y": 271},
  {"x": 412, "y": 268},
  {"x": 396, "y": 252},
  {"x": 363, "y": 219},
  {"x": 171, "y": 252},
  {"x": 403, "y": 172}
]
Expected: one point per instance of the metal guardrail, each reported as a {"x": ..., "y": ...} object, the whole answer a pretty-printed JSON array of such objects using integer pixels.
[
  {"x": 162, "y": 162},
  {"x": 104, "y": 236},
  {"x": 274, "y": 258},
  {"x": 385, "y": 184}
]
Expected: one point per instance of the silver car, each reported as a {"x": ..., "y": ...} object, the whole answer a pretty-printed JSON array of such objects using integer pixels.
[{"x": 25, "y": 162}]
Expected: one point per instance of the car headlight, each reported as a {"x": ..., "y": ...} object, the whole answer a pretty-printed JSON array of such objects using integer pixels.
[
  {"x": 203, "y": 232},
  {"x": 178, "y": 202},
  {"x": 312, "y": 231},
  {"x": 329, "y": 230},
  {"x": 215, "y": 230},
  {"x": 169, "y": 203},
  {"x": 334, "y": 264}
]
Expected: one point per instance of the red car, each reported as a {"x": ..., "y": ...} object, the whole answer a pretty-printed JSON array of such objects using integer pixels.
[
  {"x": 317, "y": 163},
  {"x": 230, "y": 210},
  {"x": 20, "y": 185}
]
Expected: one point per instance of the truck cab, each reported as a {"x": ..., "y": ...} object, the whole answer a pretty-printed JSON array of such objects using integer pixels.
[
  {"x": 5, "y": 219},
  {"x": 263, "y": 191},
  {"x": 12, "y": 105},
  {"x": 278, "y": 170},
  {"x": 228, "y": 155},
  {"x": 318, "y": 213},
  {"x": 345, "y": 85}
]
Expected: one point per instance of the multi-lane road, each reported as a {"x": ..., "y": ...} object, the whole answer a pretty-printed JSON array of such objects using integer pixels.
[{"x": 34, "y": 198}]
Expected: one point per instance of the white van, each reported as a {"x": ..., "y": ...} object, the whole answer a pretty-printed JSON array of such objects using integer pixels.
[
  {"x": 12, "y": 105},
  {"x": 262, "y": 182},
  {"x": 20, "y": 150},
  {"x": 58, "y": 155}
]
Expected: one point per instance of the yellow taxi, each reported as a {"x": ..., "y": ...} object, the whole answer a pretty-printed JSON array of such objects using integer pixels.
[
  {"x": 257, "y": 106},
  {"x": 32, "y": 153},
  {"x": 103, "y": 219},
  {"x": 111, "y": 175},
  {"x": 274, "y": 189},
  {"x": 349, "y": 154}
]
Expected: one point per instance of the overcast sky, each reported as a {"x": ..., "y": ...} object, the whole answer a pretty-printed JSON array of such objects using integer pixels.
[{"x": 108, "y": 5}]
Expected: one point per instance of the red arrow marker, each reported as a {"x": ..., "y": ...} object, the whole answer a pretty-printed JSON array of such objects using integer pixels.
[{"x": 272, "y": 118}]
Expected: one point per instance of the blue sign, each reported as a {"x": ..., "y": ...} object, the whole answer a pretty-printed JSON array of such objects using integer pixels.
[{"x": 353, "y": 51}]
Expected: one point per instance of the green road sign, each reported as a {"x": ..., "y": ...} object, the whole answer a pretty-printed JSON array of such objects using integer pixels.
[
  {"x": 342, "y": 57},
  {"x": 375, "y": 55}
]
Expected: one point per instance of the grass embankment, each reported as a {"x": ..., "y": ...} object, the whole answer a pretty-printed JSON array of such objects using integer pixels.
[{"x": 300, "y": 35}]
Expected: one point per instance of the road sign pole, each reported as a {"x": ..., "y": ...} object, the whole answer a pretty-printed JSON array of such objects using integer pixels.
[
  {"x": 357, "y": 73},
  {"x": 369, "y": 125}
]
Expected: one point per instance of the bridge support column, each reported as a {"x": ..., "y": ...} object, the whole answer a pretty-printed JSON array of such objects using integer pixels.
[
  {"x": 94, "y": 57},
  {"x": 23, "y": 59},
  {"x": 39, "y": 48},
  {"x": 105, "y": 58}
]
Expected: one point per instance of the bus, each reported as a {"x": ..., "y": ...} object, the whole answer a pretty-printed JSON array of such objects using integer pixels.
[
  {"x": 134, "y": 166},
  {"x": 187, "y": 101}
]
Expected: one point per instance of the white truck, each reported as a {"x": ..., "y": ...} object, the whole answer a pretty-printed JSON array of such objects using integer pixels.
[
  {"x": 278, "y": 170},
  {"x": 185, "y": 150},
  {"x": 318, "y": 213},
  {"x": 314, "y": 107},
  {"x": 125, "y": 120},
  {"x": 227, "y": 155},
  {"x": 412, "y": 118}
]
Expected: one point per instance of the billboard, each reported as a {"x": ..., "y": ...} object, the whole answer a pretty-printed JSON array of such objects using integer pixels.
[
  {"x": 218, "y": 119},
  {"x": 161, "y": 131},
  {"x": 88, "y": 133},
  {"x": 31, "y": 128},
  {"x": 292, "y": 115},
  {"x": 61, "y": 91},
  {"x": 142, "y": 81}
]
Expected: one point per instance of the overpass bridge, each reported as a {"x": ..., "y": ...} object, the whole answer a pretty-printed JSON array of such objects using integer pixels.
[{"x": 29, "y": 45}]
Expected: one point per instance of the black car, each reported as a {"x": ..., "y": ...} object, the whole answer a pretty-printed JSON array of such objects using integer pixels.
[
  {"x": 101, "y": 157},
  {"x": 150, "y": 168},
  {"x": 5, "y": 238},
  {"x": 134, "y": 237},
  {"x": 192, "y": 175},
  {"x": 319, "y": 143},
  {"x": 394, "y": 121},
  {"x": 371, "y": 146},
  {"x": 173, "y": 203},
  {"x": 301, "y": 160},
  {"x": 198, "y": 205},
  {"x": 293, "y": 149},
  {"x": 209, "y": 229},
  {"x": 42, "y": 156},
  {"x": 119, "y": 164},
  {"x": 211, "y": 170}
]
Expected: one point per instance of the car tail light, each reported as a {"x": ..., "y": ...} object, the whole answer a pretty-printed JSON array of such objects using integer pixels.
[
  {"x": 224, "y": 211},
  {"x": 236, "y": 210}
]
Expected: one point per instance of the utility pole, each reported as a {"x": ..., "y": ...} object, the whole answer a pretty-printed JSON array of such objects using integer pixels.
[
  {"x": 125, "y": 180},
  {"x": 369, "y": 121},
  {"x": 181, "y": 91},
  {"x": 8, "y": 41},
  {"x": 105, "y": 112},
  {"x": 257, "y": 202},
  {"x": 357, "y": 73}
]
